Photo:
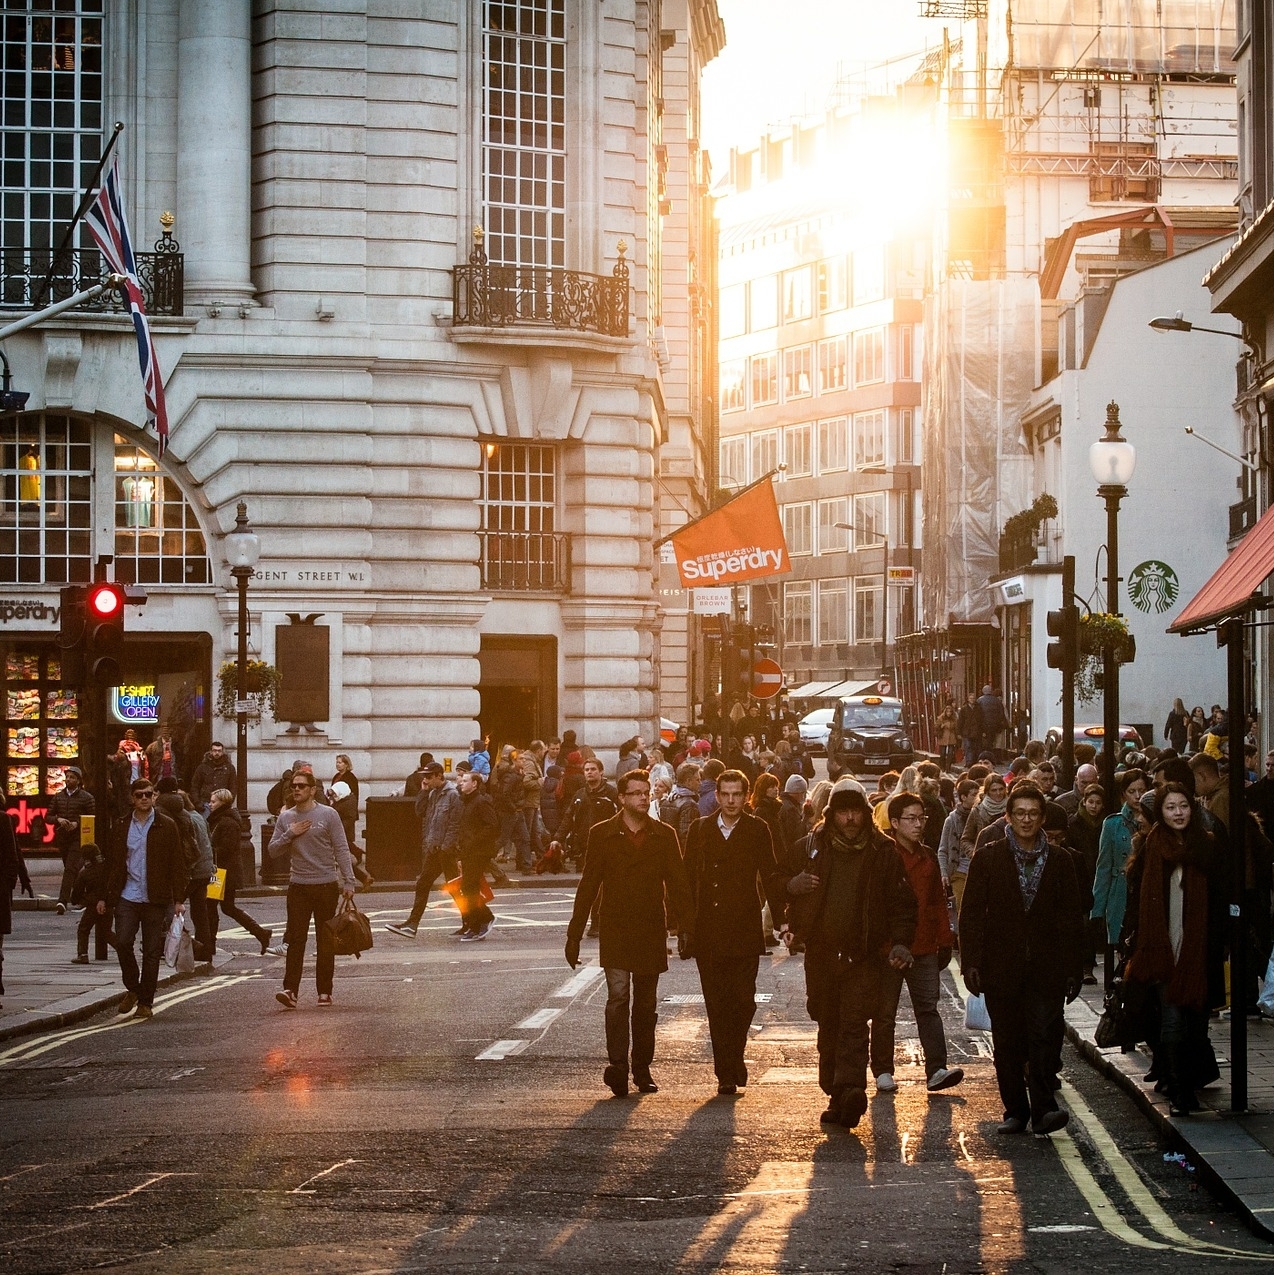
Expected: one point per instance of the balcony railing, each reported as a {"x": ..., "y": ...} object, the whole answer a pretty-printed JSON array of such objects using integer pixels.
[
  {"x": 1242, "y": 518},
  {"x": 491, "y": 296},
  {"x": 526, "y": 561},
  {"x": 24, "y": 271}
]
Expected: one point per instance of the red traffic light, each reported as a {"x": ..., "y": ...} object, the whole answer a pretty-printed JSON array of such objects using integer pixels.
[{"x": 105, "y": 601}]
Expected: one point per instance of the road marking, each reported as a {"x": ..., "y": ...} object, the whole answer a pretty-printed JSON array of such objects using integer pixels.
[
  {"x": 964, "y": 1146},
  {"x": 902, "y": 1150},
  {"x": 158, "y": 1177},
  {"x": 1103, "y": 1210},
  {"x": 581, "y": 979},
  {"x": 26, "y": 1168},
  {"x": 340, "y": 1164},
  {"x": 541, "y": 1018},
  {"x": 502, "y": 1049},
  {"x": 1064, "y": 1228},
  {"x": 186, "y": 1071}
]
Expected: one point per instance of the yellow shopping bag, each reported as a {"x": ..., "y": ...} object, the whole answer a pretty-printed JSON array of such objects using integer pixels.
[{"x": 217, "y": 884}]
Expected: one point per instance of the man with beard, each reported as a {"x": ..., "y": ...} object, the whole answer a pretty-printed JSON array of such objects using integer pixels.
[{"x": 852, "y": 908}]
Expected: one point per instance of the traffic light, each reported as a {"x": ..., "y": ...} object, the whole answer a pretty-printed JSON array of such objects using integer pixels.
[
  {"x": 103, "y": 632},
  {"x": 1063, "y": 625},
  {"x": 742, "y": 640},
  {"x": 71, "y": 636}
]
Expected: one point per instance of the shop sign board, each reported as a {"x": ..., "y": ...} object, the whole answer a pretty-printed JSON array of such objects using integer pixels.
[{"x": 135, "y": 705}]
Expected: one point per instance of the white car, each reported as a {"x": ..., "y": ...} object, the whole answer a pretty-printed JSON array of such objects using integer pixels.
[{"x": 815, "y": 728}]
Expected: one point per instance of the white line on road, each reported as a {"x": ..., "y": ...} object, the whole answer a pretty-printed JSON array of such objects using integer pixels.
[
  {"x": 578, "y": 981},
  {"x": 502, "y": 1049},
  {"x": 541, "y": 1018},
  {"x": 158, "y": 1177},
  {"x": 340, "y": 1164}
]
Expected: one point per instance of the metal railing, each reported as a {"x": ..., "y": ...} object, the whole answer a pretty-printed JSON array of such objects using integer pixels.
[
  {"x": 1242, "y": 517},
  {"x": 492, "y": 296},
  {"x": 24, "y": 272},
  {"x": 526, "y": 561}
]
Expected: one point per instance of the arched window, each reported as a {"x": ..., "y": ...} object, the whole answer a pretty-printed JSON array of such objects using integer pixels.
[{"x": 157, "y": 539}]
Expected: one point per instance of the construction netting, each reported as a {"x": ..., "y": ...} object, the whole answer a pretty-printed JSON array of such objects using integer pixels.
[
  {"x": 1161, "y": 37},
  {"x": 980, "y": 368}
]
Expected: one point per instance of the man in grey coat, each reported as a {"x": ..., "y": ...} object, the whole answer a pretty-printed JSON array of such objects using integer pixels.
[{"x": 438, "y": 806}]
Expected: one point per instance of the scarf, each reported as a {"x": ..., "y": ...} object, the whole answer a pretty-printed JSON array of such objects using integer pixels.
[
  {"x": 1030, "y": 865},
  {"x": 992, "y": 810},
  {"x": 1152, "y": 961}
]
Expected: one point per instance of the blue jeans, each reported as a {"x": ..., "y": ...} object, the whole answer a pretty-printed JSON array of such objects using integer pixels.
[
  {"x": 153, "y": 920},
  {"x": 924, "y": 983},
  {"x": 637, "y": 994}
]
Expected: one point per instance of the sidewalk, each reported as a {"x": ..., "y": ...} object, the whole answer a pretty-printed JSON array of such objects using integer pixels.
[{"x": 1236, "y": 1152}]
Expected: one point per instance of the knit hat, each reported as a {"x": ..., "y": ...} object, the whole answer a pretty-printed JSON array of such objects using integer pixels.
[
  {"x": 847, "y": 783},
  {"x": 699, "y": 748},
  {"x": 340, "y": 790},
  {"x": 796, "y": 783}
]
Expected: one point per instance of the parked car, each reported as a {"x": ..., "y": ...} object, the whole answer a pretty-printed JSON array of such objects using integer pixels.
[
  {"x": 1091, "y": 735},
  {"x": 869, "y": 734},
  {"x": 814, "y": 728}
]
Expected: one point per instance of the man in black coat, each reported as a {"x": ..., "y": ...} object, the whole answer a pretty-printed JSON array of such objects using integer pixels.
[
  {"x": 853, "y": 909},
  {"x": 1021, "y": 943},
  {"x": 631, "y": 861},
  {"x": 727, "y": 855},
  {"x": 65, "y": 811}
]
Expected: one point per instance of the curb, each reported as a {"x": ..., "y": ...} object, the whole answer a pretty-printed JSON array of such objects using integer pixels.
[
  {"x": 74, "y": 1009},
  {"x": 1209, "y": 1139}
]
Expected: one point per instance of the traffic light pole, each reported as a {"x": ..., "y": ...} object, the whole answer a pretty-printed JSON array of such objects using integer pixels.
[{"x": 1068, "y": 681}]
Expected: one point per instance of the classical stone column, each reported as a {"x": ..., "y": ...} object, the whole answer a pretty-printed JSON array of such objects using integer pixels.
[{"x": 214, "y": 149}]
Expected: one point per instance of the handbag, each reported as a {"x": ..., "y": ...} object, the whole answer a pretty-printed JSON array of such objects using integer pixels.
[
  {"x": 1121, "y": 1023},
  {"x": 217, "y": 884},
  {"x": 976, "y": 1017},
  {"x": 172, "y": 940},
  {"x": 351, "y": 931}
]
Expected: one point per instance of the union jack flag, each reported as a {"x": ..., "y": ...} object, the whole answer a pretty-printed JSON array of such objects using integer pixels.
[{"x": 108, "y": 225}]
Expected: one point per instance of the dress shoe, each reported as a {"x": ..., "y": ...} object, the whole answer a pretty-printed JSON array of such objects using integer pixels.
[
  {"x": 853, "y": 1106},
  {"x": 128, "y": 1004},
  {"x": 143, "y": 1012},
  {"x": 724, "y": 1090},
  {"x": 944, "y": 1078},
  {"x": 1050, "y": 1122},
  {"x": 1014, "y": 1124},
  {"x": 82, "y": 959},
  {"x": 742, "y": 1078},
  {"x": 832, "y": 1114},
  {"x": 885, "y": 1083},
  {"x": 644, "y": 1084},
  {"x": 617, "y": 1078}
]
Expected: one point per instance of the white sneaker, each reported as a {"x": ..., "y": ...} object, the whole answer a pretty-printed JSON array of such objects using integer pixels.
[
  {"x": 944, "y": 1078},
  {"x": 885, "y": 1083}
]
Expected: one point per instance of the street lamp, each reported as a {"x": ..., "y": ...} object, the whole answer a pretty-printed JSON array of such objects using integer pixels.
[
  {"x": 243, "y": 552},
  {"x": 1112, "y": 459}
]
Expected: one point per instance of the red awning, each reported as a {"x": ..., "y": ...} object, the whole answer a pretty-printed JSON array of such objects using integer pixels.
[{"x": 1231, "y": 586}]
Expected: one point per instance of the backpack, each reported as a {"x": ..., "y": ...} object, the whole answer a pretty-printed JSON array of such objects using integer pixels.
[
  {"x": 189, "y": 844},
  {"x": 672, "y": 811}
]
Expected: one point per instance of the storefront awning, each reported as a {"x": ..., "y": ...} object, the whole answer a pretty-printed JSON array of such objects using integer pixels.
[
  {"x": 1232, "y": 587},
  {"x": 811, "y": 690},
  {"x": 841, "y": 689}
]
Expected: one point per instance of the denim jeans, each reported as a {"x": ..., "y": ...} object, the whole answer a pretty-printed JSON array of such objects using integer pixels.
[
  {"x": 624, "y": 989},
  {"x": 729, "y": 997},
  {"x": 153, "y": 920},
  {"x": 304, "y": 902},
  {"x": 923, "y": 980}
]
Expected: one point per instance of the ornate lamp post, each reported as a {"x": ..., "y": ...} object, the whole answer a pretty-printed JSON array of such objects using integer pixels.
[
  {"x": 1112, "y": 459},
  {"x": 243, "y": 552}
]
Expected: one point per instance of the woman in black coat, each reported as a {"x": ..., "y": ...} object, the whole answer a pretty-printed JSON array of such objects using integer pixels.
[
  {"x": 12, "y": 870},
  {"x": 1176, "y": 730},
  {"x": 226, "y": 832}
]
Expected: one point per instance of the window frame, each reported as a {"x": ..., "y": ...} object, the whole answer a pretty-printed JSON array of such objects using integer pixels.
[
  {"x": 763, "y": 367},
  {"x": 798, "y": 595},
  {"x": 798, "y": 294},
  {"x": 799, "y": 466},
  {"x": 830, "y": 346},
  {"x": 825, "y": 430},
  {"x": 876, "y": 423},
  {"x": 793, "y": 357},
  {"x": 833, "y": 602},
  {"x": 730, "y": 404},
  {"x": 869, "y": 356},
  {"x": 798, "y": 528}
]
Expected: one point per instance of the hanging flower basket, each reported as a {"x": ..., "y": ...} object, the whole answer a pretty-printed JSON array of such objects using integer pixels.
[
  {"x": 260, "y": 685},
  {"x": 1097, "y": 631}
]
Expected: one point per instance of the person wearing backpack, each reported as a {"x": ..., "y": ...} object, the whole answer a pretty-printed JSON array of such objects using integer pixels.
[
  {"x": 506, "y": 792},
  {"x": 89, "y": 892},
  {"x": 201, "y": 863},
  {"x": 595, "y": 801},
  {"x": 680, "y": 808}
]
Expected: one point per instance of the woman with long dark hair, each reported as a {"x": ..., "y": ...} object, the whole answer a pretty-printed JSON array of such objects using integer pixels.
[
  {"x": 1176, "y": 729},
  {"x": 1173, "y": 934}
]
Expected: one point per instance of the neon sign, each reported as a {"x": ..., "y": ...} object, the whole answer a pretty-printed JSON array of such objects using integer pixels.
[{"x": 135, "y": 704}]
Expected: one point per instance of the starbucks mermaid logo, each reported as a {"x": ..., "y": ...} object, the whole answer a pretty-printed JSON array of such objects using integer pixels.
[{"x": 1153, "y": 586}]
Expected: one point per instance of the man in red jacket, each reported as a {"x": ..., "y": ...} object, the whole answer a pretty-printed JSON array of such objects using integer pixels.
[{"x": 931, "y": 950}]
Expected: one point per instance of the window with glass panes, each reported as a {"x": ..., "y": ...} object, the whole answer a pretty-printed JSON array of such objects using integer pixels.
[
  {"x": 869, "y": 275},
  {"x": 733, "y": 390},
  {"x": 797, "y": 367},
  {"x": 867, "y": 611},
  {"x": 798, "y": 294},
  {"x": 833, "y": 280},
  {"x": 833, "y": 611},
  {"x": 734, "y": 462},
  {"x": 798, "y": 607},
  {"x": 798, "y": 450},
  {"x": 765, "y": 453},
  {"x": 906, "y": 435},
  {"x": 765, "y": 379},
  {"x": 524, "y": 142},
  {"x": 869, "y": 439},
  {"x": 763, "y": 303},
  {"x": 907, "y": 352},
  {"x": 519, "y": 488},
  {"x": 51, "y": 123},
  {"x": 833, "y": 537},
  {"x": 869, "y": 356},
  {"x": 157, "y": 540},
  {"x": 833, "y": 365},
  {"x": 833, "y": 445},
  {"x": 46, "y": 498},
  {"x": 798, "y": 528},
  {"x": 869, "y": 520}
]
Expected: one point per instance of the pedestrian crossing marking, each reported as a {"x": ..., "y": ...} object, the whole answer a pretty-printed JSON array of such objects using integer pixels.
[
  {"x": 501, "y": 1050},
  {"x": 541, "y": 1018}
]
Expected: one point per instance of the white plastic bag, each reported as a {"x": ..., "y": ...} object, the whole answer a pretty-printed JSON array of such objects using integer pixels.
[
  {"x": 975, "y": 1016},
  {"x": 172, "y": 940},
  {"x": 185, "y": 963},
  {"x": 1266, "y": 1000}
]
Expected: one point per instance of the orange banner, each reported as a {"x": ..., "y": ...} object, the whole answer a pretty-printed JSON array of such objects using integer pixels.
[{"x": 741, "y": 541}]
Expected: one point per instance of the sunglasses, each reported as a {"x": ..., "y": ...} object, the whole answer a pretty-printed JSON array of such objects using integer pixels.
[
  {"x": 301, "y": 783},
  {"x": 149, "y": 792}
]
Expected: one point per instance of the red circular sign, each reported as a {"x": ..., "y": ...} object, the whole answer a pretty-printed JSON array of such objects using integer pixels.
[
  {"x": 104, "y": 601},
  {"x": 767, "y": 679}
]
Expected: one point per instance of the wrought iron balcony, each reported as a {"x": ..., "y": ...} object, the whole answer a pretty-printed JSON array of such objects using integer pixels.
[
  {"x": 491, "y": 296},
  {"x": 24, "y": 272},
  {"x": 526, "y": 561}
]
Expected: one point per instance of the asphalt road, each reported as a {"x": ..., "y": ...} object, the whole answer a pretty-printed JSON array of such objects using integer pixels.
[{"x": 448, "y": 1114}]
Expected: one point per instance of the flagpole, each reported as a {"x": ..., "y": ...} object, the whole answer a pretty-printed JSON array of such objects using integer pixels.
[
  {"x": 85, "y": 200},
  {"x": 743, "y": 491}
]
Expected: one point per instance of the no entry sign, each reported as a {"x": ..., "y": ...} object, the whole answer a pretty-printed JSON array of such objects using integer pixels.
[{"x": 767, "y": 679}]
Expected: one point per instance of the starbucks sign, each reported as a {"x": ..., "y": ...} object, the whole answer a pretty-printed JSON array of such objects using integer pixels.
[{"x": 1153, "y": 586}]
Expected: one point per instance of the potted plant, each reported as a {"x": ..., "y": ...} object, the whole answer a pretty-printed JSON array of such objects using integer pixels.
[
  {"x": 1097, "y": 631},
  {"x": 260, "y": 684}
]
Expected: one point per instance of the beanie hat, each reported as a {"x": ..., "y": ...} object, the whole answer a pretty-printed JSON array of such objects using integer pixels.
[
  {"x": 796, "y": 783},
  {"x": 847, "y": 783}
]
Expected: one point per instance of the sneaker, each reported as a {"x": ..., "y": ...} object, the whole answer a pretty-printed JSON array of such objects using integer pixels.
[
  {"x": 407, "y": 931},
  {"x": 286, "y": 998},
  {"x": 944, "y": 1078},
  {"x": 82, "y": 959},
  {"x": 476, "y": 936},
  {"x": 460, "y": 933},
  {"x": 127, "y": 1005},
  {"x": 277, "y": 950},
  {"x": 144, "y": 1012},
  {"x": 885, "y": 1083},
  {"x": 60, "y": 909},
  {"x": 325, "y": 1000}
]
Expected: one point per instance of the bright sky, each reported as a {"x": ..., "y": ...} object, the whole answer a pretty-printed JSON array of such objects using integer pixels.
[{"x": 782, "y": 58}]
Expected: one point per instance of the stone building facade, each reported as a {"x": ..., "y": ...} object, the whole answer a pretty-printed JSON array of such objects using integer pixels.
[{"x": 437, "y": 329}]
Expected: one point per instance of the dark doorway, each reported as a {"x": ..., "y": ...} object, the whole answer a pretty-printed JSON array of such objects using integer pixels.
[{"x": 518, "y": 689}]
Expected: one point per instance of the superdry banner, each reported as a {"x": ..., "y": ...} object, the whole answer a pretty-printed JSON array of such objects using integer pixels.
[{"x": 741, "y": 541}]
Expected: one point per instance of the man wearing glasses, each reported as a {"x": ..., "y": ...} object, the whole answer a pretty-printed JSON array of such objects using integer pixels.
[
  {"x": 930, "y": 953},
  {"x": 322, "y": 872},
  {"x": 148, "y": 883}
]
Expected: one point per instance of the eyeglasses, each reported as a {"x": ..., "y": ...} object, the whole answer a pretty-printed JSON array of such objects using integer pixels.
[{"x": 916, "y": 818}]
